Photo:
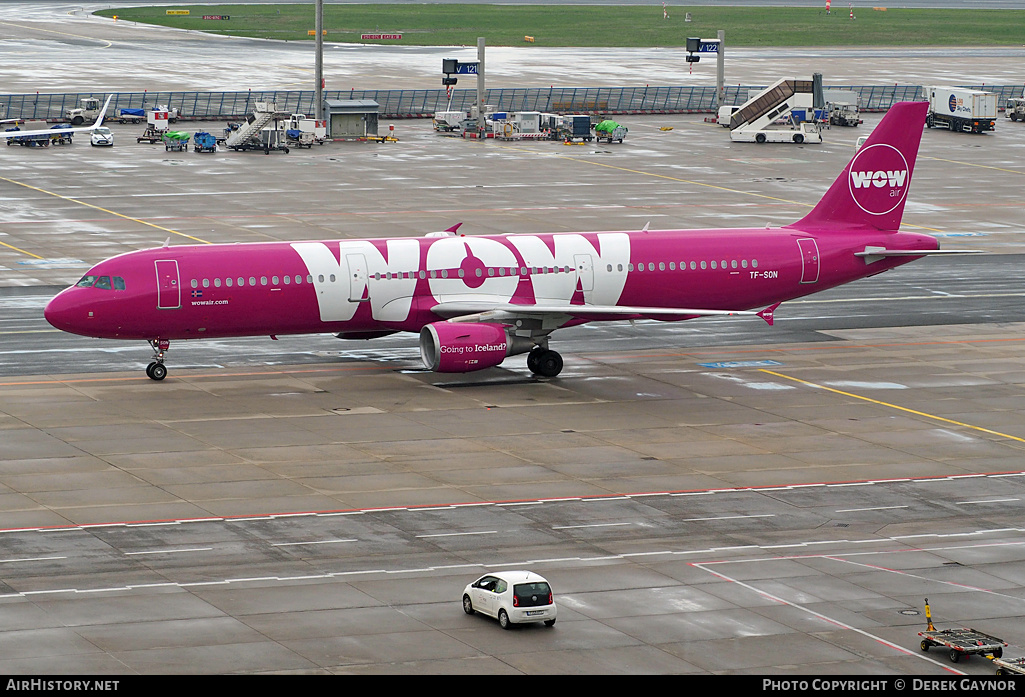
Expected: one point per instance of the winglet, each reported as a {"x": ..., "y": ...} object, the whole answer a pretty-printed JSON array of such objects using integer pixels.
[
  {"x": 454, "y": 228},
  {"x": 103, "y": 112},
  {"x": 767, "y": 313}
]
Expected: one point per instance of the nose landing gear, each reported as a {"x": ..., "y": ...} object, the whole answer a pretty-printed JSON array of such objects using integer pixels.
[{"x": 157, "y": 370}]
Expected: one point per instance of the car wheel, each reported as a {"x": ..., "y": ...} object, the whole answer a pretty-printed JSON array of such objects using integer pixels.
[
  {"x": 549, "y": 623},
  {"x": 467, "y": 605},
  {"x": 503, "y": 620}
]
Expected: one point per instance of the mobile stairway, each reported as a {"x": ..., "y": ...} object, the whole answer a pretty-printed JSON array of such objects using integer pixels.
[
  {"x": 248, "y": 134},
  {"x": 754, "y": 121}
]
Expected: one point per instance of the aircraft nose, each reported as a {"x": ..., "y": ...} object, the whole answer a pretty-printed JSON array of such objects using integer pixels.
[{"x": 61, "y": 312}]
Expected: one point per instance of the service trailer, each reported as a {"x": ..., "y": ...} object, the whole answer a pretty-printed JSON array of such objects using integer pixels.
[{"x": 960, "y": 109}]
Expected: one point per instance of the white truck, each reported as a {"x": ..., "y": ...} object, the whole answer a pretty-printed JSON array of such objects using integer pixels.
[
  {"x": 1015, "y": 109},
  {"x": 310, "y": 130},
  {"x": 448, "y": 121},
  {"x": 88, "y": 111},
  {"x": 961, "y": 109}
]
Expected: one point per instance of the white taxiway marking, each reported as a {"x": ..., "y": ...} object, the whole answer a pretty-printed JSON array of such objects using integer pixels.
[
  {"x": 317, "y": 542},
  {"x": 875, "y": 508},
  {"x": 595, "y": 525},
  {"x": 966, "y": 503},
  {"x": 170, "y": 551},
  {"x": 824, "y": 618},
  {"x": 731, "y": 517},
  {"x": 458, "y": 534}
]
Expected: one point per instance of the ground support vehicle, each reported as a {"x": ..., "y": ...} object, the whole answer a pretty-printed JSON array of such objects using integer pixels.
[
  {"x": 1010, "y": 666},
  {"x": 317, "y": 130},
  {"x": 176, "y": 141},
  {"x": 757, "y": 119},
  {"x": 511, "y": 597},
  {"x": 101, "y": 136},
  {"x": 802, "y": 133},
  {"x": 961, "y": 641},
  {"x": 572, "y": 127},
  {"x": 172, "y": 112},
  {"x": 39, "y": 141},
  {"x": 130, "y": 115},
  {"x": 959, "y": 109},
  {"x": 843, "y": 115},
  {"x": 448, "y": 121},
  {"x": 266, "y": 139},
  {"x": 1015, "y": 109},
  {"x": 204, "y": 142},
  {"x": 299, "y": 139},
  {"x": 61, "y": 136},
  {"x": 152, "y": 134},
  {"x": 609, "y": 131},
  {"x": 89, "y": 110}
]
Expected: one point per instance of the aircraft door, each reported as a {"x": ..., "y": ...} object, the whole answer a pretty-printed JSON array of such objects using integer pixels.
[
  {"x": 585, "y": 271},
  {"x": 169, "y": 294},
  {"x": 358, "y": 284},
  {"x": 809, "y": 260}
]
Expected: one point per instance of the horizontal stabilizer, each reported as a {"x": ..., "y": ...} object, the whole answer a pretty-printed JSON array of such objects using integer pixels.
[{"x": 873, "y": 254}]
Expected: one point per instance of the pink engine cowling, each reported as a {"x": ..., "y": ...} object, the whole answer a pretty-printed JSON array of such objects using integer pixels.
[{"x": 462, "y": 347}]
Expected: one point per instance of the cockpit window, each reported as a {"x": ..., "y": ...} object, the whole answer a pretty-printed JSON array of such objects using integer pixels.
[{"x": 102, "y": 282}]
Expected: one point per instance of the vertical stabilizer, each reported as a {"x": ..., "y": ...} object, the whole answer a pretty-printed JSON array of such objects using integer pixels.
[{"x": 871, "y": 191}]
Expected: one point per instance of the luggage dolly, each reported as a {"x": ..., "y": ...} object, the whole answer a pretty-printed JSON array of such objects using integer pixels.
[
  {"x": 961, "y": 641},
  {"x": 1010, "y": 666}
]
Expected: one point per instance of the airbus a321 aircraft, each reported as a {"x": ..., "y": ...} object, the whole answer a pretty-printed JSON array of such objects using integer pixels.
[
  {"x": 476, "y": 300},
  {"x": 73, "y": 129}
]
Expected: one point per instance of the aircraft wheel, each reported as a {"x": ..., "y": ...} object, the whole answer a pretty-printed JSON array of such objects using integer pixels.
[
  {"x": 533, "y": 357},
  {"x": 157, "y": 371},
  {"x": 549, "y": 364}
]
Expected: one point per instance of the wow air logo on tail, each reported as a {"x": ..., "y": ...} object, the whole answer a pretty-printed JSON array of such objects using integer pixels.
[{"x": 879, "y": 178}]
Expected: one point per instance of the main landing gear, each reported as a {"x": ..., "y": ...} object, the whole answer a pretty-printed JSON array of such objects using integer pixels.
[
  {"x": 157, "y": 370},
  {"x": 544, "y": 362}
]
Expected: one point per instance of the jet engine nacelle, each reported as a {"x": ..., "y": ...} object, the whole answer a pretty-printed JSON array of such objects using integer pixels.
[{"x": 462, "y": 347}]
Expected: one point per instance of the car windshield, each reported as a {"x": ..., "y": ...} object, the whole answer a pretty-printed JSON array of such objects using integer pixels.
[{"x": 103, "y": 130}]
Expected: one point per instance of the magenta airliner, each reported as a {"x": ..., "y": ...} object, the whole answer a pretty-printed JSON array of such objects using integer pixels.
[{"x": 476, "y": 300}]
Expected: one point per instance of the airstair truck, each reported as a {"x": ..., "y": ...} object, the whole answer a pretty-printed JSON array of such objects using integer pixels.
[
  {"x": 757, "y": 120},
  {"x": 961, "y": 109}
]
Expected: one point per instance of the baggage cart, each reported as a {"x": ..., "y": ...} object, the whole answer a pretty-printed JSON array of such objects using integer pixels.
[
  {"x": 204, "y": 142},
  {"x": 960, "y": 641},
  {"x": 609, "y": 131},
  {"x": 1010, "y": 666},
  {"x": 176, "y": 141}
]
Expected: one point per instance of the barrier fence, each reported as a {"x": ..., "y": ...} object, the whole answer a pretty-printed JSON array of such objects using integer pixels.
[{"x": 397, "y": 104}]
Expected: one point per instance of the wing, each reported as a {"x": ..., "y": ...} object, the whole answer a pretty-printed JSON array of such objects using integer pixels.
[
  {"x": 50, "y": 131},
  {"x": 474, "y": 311}
]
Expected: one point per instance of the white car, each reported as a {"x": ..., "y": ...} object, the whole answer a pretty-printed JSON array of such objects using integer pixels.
[
  {"x": 101, "y": 136},
  {"x": 512, "y": 597}
]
